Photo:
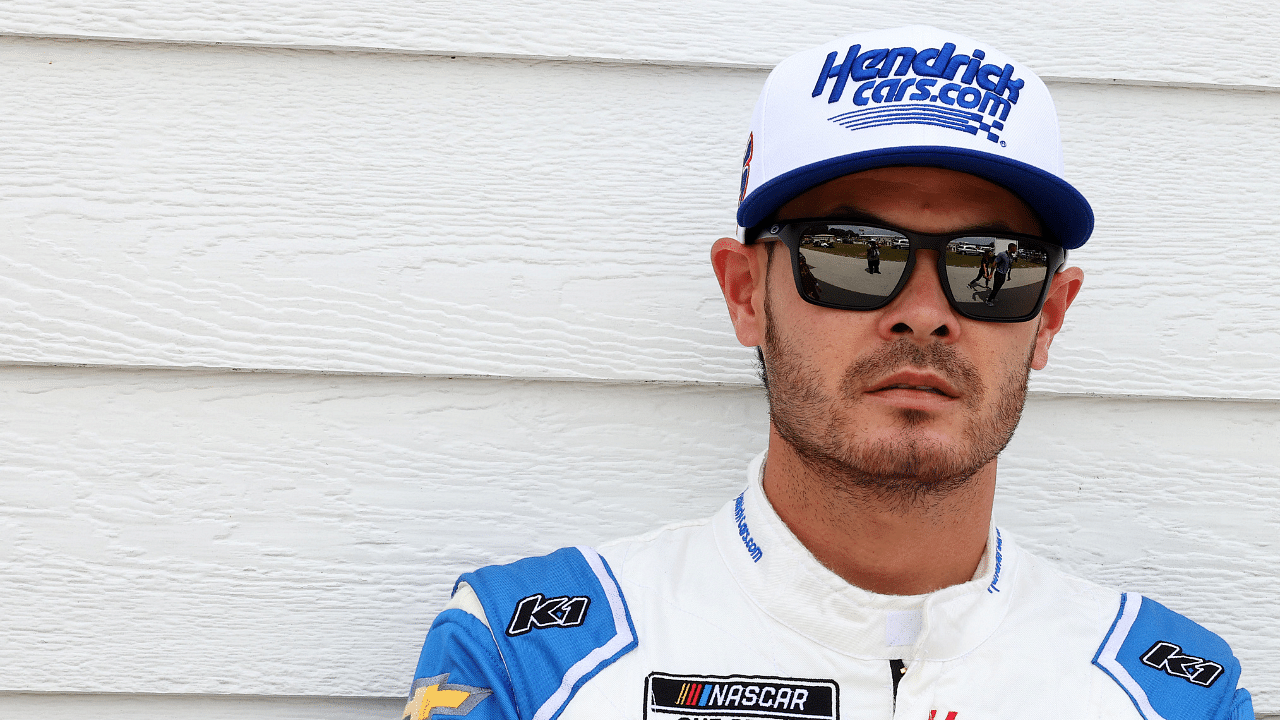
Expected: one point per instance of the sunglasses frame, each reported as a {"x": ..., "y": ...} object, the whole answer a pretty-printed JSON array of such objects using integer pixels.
[{"x": 788, "y": 233}]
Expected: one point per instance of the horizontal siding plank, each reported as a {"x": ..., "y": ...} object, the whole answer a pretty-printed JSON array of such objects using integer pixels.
[
  {"x": 182, "y": 532},
  {"x": 206, "y": 207},
  {"x": 77, "y": 706},
  {"x": 1162, "y": 42}
]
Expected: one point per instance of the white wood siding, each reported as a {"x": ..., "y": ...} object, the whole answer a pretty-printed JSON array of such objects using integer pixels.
[
  {"x": 99, "y": 706},
  {"x": 1182, "y": 42},
  {"x": 205, "y": 207},
  {"x": 526, "y": 193}
]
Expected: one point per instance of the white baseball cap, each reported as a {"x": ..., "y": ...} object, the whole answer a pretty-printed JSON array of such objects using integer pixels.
[{"x": 909, "y": 96}]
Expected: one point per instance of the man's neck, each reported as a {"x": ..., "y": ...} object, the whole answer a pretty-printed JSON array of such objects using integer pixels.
[{"x": 876, "y": 544}]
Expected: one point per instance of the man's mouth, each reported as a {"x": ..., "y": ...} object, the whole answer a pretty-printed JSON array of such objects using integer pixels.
[
  {"x": 922, "y": 388},
  {"x": 918, "y": 381}
]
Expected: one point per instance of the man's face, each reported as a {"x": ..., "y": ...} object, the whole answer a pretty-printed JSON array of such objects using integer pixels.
[{"x": 912, "y": 399}]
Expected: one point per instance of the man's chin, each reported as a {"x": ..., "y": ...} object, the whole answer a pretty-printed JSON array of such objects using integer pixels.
[
  {"x": 936, "y": 421},
  {"x": 925, "y": 428},
  {"x": 904, "y": 471},
  {"x": 913, "y": 418},
  {"x": 918, "y": 462}
]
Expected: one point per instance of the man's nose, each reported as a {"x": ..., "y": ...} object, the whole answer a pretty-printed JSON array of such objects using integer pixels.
[{"x": 921, "y": 310}]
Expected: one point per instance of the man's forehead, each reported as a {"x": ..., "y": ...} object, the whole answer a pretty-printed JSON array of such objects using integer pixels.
[{"x": 926, "y": 199}]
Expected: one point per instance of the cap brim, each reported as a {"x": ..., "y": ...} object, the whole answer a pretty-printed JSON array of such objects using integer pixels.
[{"x": 1063, "y": 210}]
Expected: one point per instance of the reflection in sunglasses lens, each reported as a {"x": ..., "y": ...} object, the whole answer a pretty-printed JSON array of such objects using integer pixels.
[
  {"x": 853, "y": 266},
  {"x": 995, "y": 278}
]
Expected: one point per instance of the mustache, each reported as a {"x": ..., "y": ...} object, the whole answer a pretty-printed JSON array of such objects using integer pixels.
[{"x": 900, "y": 354}]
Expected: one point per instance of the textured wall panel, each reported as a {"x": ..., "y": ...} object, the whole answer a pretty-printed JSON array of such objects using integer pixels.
[
  {"x": 162, "y": 205},
  {"x": 1149, "y": 41},
  {"x": 1180, "y": 292},
  {"x": 265, "y": 533},
  {"x": 1176, "y": 499},
  {"x": 171, "y": 206},
  {"x": 277, "y": 534}
]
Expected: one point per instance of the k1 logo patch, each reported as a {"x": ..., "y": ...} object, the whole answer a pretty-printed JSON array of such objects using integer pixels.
[
  {"x": 540, "y": 612},
  {"x": 1169, "y": 657},
  {"x": 739, "y": 697}
]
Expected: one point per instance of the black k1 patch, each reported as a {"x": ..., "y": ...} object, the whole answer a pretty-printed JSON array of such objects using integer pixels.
[
  {"x": 738, "y": 697},
  {"x": 1169, "y": 657},
  {"x": 540, "y": 612}
]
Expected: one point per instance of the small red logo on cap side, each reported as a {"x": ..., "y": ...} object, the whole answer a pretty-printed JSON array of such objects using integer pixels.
[{"x": 746, "y": 167}]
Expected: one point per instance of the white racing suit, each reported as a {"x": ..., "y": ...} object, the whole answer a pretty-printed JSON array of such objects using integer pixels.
[{"x": 732, "y": 618}]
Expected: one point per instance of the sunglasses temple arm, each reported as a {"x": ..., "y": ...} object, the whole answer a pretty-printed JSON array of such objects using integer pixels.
[{"x": 1063, "y": 265}]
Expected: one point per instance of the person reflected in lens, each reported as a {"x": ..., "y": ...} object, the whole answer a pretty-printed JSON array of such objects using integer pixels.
[
  {"x": 807, "y": 280},
  {"x": 873, "y": 257},
  {"x": 984, "y": 270},
  {"x": 1004, "y": 264}
]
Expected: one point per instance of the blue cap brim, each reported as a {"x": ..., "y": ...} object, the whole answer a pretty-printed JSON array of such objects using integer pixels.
[{"x": 1065, "y": 213}]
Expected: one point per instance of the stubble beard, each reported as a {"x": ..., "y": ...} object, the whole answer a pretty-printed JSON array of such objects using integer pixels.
[{"x": 912, "y": 470}]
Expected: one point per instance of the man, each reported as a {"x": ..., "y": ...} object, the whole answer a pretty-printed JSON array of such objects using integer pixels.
[
  {"x": 1004, "y": 264},
  {"x": 859, "y": 574},
  {"x": 985, "y": 265}
]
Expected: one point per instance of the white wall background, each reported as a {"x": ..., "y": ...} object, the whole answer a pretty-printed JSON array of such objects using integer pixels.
[{"x": 307, "y": 307}]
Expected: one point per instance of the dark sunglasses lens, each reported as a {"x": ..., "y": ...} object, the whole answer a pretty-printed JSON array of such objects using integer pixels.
[
  {"x": 850, "y": 266},
  {"x": 991, "y": 280}
]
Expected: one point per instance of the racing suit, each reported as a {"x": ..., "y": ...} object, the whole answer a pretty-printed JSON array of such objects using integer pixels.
[{"x": 731, "y": 617}]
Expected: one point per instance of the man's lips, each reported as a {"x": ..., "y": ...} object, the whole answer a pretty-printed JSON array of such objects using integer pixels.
[{"x": 916, "y": 380}]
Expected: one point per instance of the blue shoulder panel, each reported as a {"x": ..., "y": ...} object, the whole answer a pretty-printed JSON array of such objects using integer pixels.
[
  {"x": 557, "y": 620},
  {"x": 1171, "y": 667}
]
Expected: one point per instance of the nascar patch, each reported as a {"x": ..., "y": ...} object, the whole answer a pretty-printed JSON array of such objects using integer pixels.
[{"x": 739, "y": 697}]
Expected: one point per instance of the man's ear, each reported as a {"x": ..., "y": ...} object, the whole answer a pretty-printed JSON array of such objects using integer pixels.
[
  {"x": 741, "y": 271},
  {"x": 1062, "y": 291}
]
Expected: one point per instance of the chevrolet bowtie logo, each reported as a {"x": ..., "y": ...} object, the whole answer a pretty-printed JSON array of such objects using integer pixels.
[{"x": 433, "y": 697}]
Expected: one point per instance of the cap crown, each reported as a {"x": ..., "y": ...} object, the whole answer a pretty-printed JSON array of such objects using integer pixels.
[{"x": 908, "y": 96}]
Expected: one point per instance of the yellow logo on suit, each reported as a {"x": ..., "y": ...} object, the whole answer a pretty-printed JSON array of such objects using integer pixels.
[{"x": 434, "y": 697}]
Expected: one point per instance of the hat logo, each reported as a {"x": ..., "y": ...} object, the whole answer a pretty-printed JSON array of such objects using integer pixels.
[
  {"x": 746, "y": 166},
  {"x": 980, "y": 100}
]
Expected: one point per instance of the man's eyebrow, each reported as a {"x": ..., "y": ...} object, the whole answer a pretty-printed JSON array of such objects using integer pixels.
[
  {"x": 849, "y": 212},
  {"x": 993, "y": 226}
]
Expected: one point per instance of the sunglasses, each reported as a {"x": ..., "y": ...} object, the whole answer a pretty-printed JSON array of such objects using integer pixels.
[{"x": 853, "y": 265}]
